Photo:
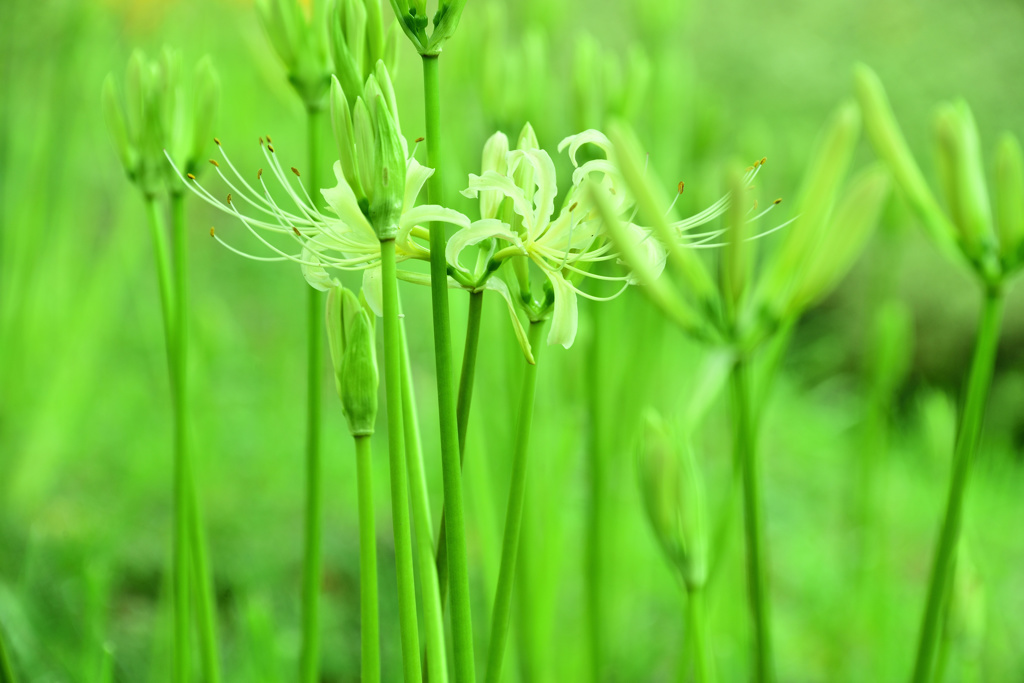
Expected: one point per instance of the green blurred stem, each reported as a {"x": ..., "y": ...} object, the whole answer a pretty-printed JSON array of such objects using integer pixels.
[
  {"x": 6, "y": 670},
  {"x": 455, "y": 524},
  {"x": 203, "y": 590},
  {"x": 180, "y": 555},
  {"x": 369, "y": 615},
  {"x": 968, "y": 433},
  {"x": 309, "y": 659},
  {"x": 514, "y": 512},
  {"x": 596, "y": 516},
  {"x": 399, "y": 485},
  {"x": 435, "y": 665},
  {"x": 745, "y": 443},
  {"x": 465, "y": 399},
  {"x": 703, "y": 664}
]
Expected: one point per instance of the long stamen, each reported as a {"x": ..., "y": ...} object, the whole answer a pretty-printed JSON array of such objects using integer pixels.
[{"x": 252, "y": 257}]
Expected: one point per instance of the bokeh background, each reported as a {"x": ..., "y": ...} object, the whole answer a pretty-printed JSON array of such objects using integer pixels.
[{"x": 85, "y": 417}]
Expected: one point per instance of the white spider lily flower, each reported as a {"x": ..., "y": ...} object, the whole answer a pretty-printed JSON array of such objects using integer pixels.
[
  {"x": 341, "y": 239},
  {"x": 564, "y": 246}
]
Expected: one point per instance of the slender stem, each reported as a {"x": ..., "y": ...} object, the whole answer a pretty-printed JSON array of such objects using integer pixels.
[
  {"x": 435, "y": 665},
  {"x": 745, "y": 443},
  {"x": 455, "y": 524},
  {"x": 476, "y": 304},
  {"x": 370, "y": 628},
  {"x": 968, "y": 433},
  {"x": 180, "y": 561},
  {"x": 399, "y": 485},
  {"x": 514, "y": 512},
  {"x": 595, "y": 520},
  {"x": 6, "y": 670},
  {"x": 309, "y": 659},
  {"x": 205, "y": 603},
  {"x": 703, "y": 664}
]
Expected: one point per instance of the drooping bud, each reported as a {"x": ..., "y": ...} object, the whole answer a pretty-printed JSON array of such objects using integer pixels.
[
  {"x": 1009, "y": 191},
  {"x": 672, "y": 493},
  {"x": 889, "y": 143},
  {"x": 350, "y": 333}
]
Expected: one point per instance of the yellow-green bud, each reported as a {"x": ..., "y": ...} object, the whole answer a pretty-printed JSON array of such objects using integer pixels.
[
  {"x": 890, "y": 145},
  {"x": 959, "y": 160},
  {"x": 1009, "y": 191},
  {"x": 387, "y": 193},
  {"x": 350, "y": 333},
  {"x": 673, "y": 498}
]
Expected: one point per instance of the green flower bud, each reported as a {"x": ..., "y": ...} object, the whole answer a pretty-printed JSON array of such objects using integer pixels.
[
  {"x": 842, "y": 241},
  {"x": 672, "y": 493},
  {"x": 414, "y": 21},
  {"x": 387, "y": 193},
  {"x": 960, "y": 169},
  {"x": 347, "y": 38},
  {"x": 1009, "y": 191},
  {"x": 737, "y": 253},
  {"x": 495, "y": 158},
  {"x": 299, "y": 37},
  {"x": 344, "y": 136},
  {"x": 366, "y": 146},
  {"x": 890, "y": 145},
  {"x": 204, "y": 110},
  {"x": 350, "y": 333},
  {"x": 113, "y": 112}
]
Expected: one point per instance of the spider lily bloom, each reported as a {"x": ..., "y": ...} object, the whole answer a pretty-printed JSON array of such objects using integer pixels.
[
  {"x": 563, "y": 246},
  {"x": 340, "y": 238}
]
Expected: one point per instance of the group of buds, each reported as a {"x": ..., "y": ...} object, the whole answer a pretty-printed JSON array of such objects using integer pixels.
[
  {"x": 992, "y": 242},
  {"x": 157, "y": 114}
]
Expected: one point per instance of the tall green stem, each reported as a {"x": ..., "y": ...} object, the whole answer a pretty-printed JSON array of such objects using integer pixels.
[
  {"x": 6, "y": 670},
  {"x": 596, "y": 524},
  {"x": 370, "y": 620},
  {"x": 703, "y": 665},
  {"x": 968, "y": 433},
  {"x": 514, "y": 512},
  {"x": 180, "y": 554},
  {"x": 455, "y": 524},
  {"x": 435, "y": 665},
  {"x": 399, "y": 485},
  {"x": 204, "y": 595},
  {"x": 309, "y": 659},
  {"x": 465, "y": 398},
  {"x": 745, "y": 443}
]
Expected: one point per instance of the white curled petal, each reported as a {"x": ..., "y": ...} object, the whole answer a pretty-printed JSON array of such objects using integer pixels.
[
  {"x": 344, "y": 202},
  {"x": 574, "y": 142},
  {"x": 564, "y": 317},
  {"x": 315, "y": 275},
  {"x": 476, "y": 233},
  {"x": 415, "y": 176},
  {"x": 547, "y": 187},
  {"x": 496, "y": 284},
  {"x": 650, "y": 249},
  {"x": 503, "y": 184},
  {"x": 429, "y": 213},
  {"x": 373, "y": 290}
]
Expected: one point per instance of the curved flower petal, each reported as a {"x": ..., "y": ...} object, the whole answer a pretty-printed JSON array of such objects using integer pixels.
[
  {"x": 373, "y": 290},
  {"x": 506, "y": 186},
  {"x": 343, "y": 201},
  {"x": 543, "y": 178},
  {"x": 564, "y": 317},
  {"x": 591, "y": 136},
  {"x": 415, "y": 176},
  {"x": 476, "y": 233},
  {"x": 315, "y": 275},
  {"x": 428, "y": 213},
  {"x": 649, "y": 248},
  {"x": 496, "y": 284}
]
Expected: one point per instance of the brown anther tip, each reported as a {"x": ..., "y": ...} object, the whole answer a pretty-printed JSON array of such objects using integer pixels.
[
  {"x": 778, "y": 201},
  {"x": 261, "y": 141},
  {"x": 229, "y": 197},
  {"x": 211, "y": 232},
  {"x": 214, "y": 162},
  {"x": 190, "y": 176},
  {"x": 763, "y": 161},
  {"x": 217, "y": 140},
  {"x": 419, "y": 139},
  {"x": 612, "y": 190},
  {"x": 295, "y": 171},
  {"x": 749, "y": 169},
  {"x": 259, "y": 174},
  {"x": 269, "y": 140},
  {"x": 296, "y": 231},
  {"x": 270, "y": 147},
  {"x": 681, "y": 187},
  {"x": 573, "y": 207}
]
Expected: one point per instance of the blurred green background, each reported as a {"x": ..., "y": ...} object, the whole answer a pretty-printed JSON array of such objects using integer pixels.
[{"x": 85, "y": 417}]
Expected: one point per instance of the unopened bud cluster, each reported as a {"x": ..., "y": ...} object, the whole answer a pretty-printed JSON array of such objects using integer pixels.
[{"x": 350, "y": 333}]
